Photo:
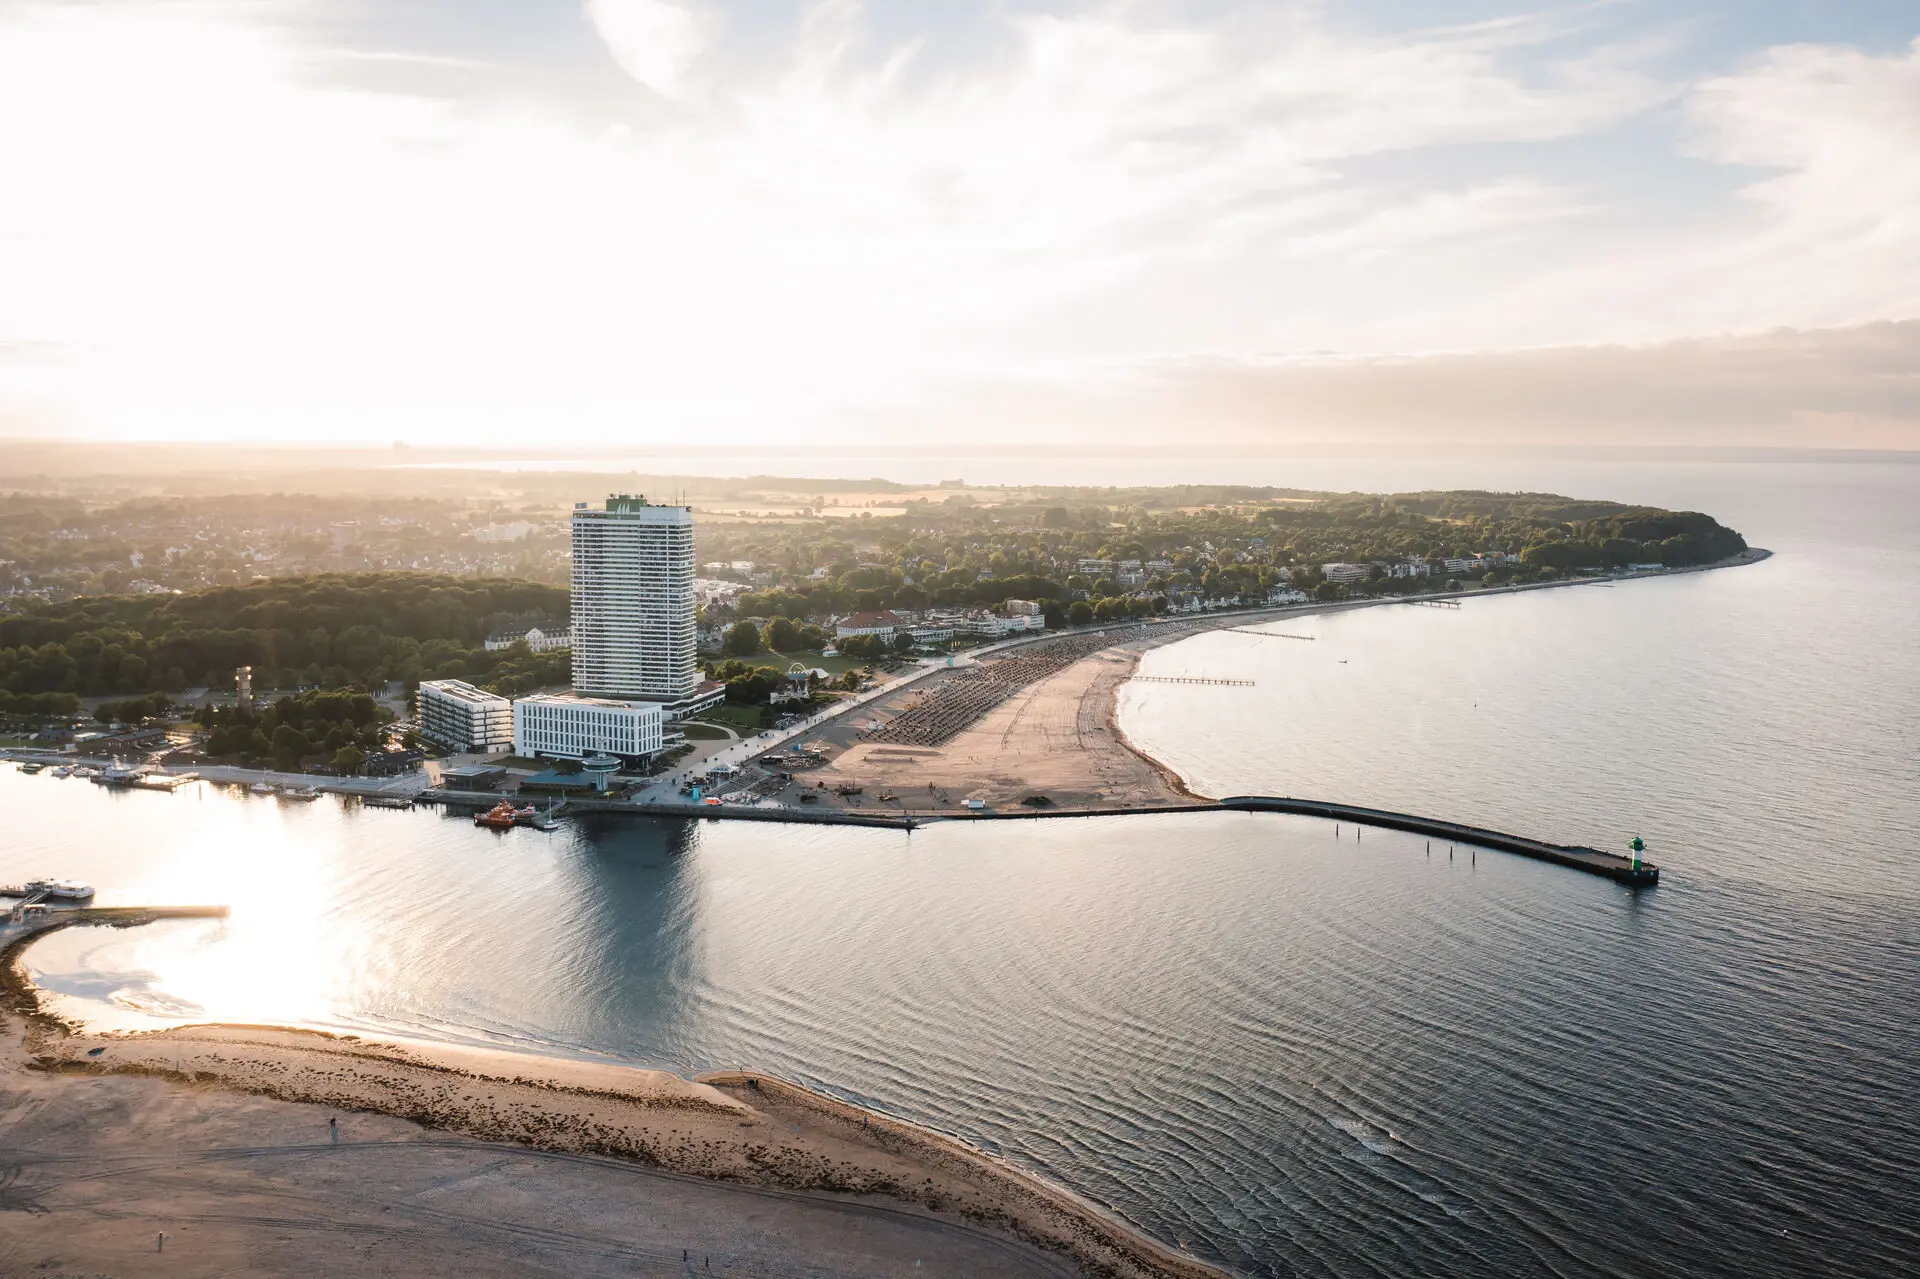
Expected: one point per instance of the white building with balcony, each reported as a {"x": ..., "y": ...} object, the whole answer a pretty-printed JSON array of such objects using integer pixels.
[{"x": 462, "y": 718}]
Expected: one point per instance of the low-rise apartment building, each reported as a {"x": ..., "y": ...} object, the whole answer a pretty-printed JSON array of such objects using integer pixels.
[{"x": 462, "y": 718}]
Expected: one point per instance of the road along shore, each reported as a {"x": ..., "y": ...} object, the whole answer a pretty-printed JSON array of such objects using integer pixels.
[{"x": 721, "y": 1148}]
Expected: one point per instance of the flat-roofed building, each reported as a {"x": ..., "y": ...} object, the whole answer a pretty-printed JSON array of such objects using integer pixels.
[
  {"x": 562, "y": 726},
  {"x": 633, "y": 604},
  {"x": 460, "y": 717}
]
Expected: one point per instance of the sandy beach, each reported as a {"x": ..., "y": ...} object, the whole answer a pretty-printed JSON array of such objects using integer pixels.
[
  {"x": 273, "y": 1150},
  {"x": 1055, "y": 739}
]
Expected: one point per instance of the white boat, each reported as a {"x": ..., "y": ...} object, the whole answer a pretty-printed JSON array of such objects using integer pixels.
[
  {"x": 117, "y": 775},
  {"x": 261, "y": 788},
  {"x": 66, "y": 890},
  {"x": 63, "y": 771},
  {"x": 299, "y": 794}
]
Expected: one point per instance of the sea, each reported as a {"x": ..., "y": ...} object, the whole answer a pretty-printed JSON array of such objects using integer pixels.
[{"x": 1291, "y": 1047}]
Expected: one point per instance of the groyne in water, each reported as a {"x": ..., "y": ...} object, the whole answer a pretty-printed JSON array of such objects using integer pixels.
[{"x": 1625, "y": 870}]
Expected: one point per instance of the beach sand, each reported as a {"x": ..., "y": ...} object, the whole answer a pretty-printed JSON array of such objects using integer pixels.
[
  {"x": 1057, "y": 738},
  {"x": 260, "y": 1149}
]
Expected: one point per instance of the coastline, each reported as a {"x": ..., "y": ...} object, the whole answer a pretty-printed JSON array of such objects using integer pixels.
[
  {"x": 738, "y": 1128},
  {"x": 1056, "y": 745}
]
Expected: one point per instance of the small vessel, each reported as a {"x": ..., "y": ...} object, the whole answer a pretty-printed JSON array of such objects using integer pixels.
[
  {"x": 260, "y": 788},
  {"x": 117, "y": 775},
  {"x": 299, "y": 794},
  {"x": 32, "y": 766},
  {"x": 63, "y": 771},
  {"x": 66, "y": 890},
  {"x": 500, "y": 817}
]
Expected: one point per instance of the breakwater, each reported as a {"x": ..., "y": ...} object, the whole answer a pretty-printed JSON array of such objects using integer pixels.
[{"x": 1625, "y": 870}]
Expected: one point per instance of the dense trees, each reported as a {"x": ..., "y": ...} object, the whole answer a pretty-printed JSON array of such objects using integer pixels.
[
  {"x": 332, "y": 629},
  {"x": 743, "y": 640},
  {"x": 341, "y": 727},
  {"x": 1208, "y": 542}
]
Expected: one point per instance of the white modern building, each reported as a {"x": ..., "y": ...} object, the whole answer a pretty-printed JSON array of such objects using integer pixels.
[
  {"x": 561, "y": 726},
  {"x": 633, "y": 603},
  {"x": 463, "y": 718},
  {"x": 1346, "y": 572}
]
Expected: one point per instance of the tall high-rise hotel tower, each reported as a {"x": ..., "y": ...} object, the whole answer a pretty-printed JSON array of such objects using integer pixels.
[{"x": 633, "y": 625}]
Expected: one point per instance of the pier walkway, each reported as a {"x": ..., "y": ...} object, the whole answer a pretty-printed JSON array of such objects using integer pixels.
[{"x": 1576, "y": 857}]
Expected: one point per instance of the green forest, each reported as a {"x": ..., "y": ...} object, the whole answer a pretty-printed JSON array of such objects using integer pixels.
[
  {"x": 331, "y": 630},
  {"x": 341, "y": 630}
]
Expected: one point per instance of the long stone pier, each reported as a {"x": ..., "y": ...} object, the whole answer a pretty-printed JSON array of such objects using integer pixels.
[{"x": 1594, "y": 861}]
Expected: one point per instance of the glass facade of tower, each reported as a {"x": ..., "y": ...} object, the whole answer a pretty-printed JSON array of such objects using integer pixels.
[{"x": 633, "y": 628}]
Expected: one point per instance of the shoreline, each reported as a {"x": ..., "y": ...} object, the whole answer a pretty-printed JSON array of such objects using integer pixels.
[{"x": 739, "y": 1128}]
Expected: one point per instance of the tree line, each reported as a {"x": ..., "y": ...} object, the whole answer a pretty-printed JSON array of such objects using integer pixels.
[{"x": 331, "y": 629}]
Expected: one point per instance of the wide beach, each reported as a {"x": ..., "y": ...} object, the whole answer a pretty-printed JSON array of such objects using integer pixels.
[{"x": 281, "y": 1130}]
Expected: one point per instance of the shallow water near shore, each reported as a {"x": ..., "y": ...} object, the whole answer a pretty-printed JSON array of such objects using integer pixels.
[{"x": 1298, "y": 1054}]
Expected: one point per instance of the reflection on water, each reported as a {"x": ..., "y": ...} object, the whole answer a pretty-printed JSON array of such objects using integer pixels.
[{"x": 1302, "y": 1054}]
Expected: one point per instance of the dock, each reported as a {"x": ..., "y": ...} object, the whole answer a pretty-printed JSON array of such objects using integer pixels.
[
  {"x": 1190, "y": 679},
  {"x": 1625, "y": 870},
  {"x": 1594, "y": 861}
]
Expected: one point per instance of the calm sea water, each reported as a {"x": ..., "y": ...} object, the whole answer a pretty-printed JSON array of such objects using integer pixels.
[{"x": 1297, "y": 1053}]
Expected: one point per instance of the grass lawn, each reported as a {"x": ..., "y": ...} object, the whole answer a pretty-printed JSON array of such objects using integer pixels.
[
  {"x": 697, "y": 732},
  {"x": 744, "y": 718},
  {"x": 831, "y": 665}
]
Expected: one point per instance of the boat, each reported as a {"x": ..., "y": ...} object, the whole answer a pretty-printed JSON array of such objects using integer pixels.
[
  {"x": 116, "y": 775},
  {"x": 66, "y": 890},
  {"x": 260, "y": 788},
  {"x": 299, "y": 794},
  {"x": 32, "y": 766},
  {"x": 501, "y": 816},
  {"x": 63, "y": 771}
]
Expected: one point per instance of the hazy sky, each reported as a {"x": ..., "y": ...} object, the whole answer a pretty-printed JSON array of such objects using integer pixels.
[{"x": 638, "y": 220}]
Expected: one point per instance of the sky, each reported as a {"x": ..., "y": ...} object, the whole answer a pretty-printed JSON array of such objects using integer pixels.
[{"x": 627, "y": 222}]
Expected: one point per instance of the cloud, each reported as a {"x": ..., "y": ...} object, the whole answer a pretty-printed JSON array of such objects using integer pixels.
[
  {"x": 653, "y": 41},
  {"x": 1839, "y": 388},
  {"x": 1840, "y": 221},
  {"x": 242, "y": 229}
]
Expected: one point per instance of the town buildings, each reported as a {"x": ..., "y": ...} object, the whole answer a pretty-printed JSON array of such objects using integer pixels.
[{"x": 460, "y": 717}]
